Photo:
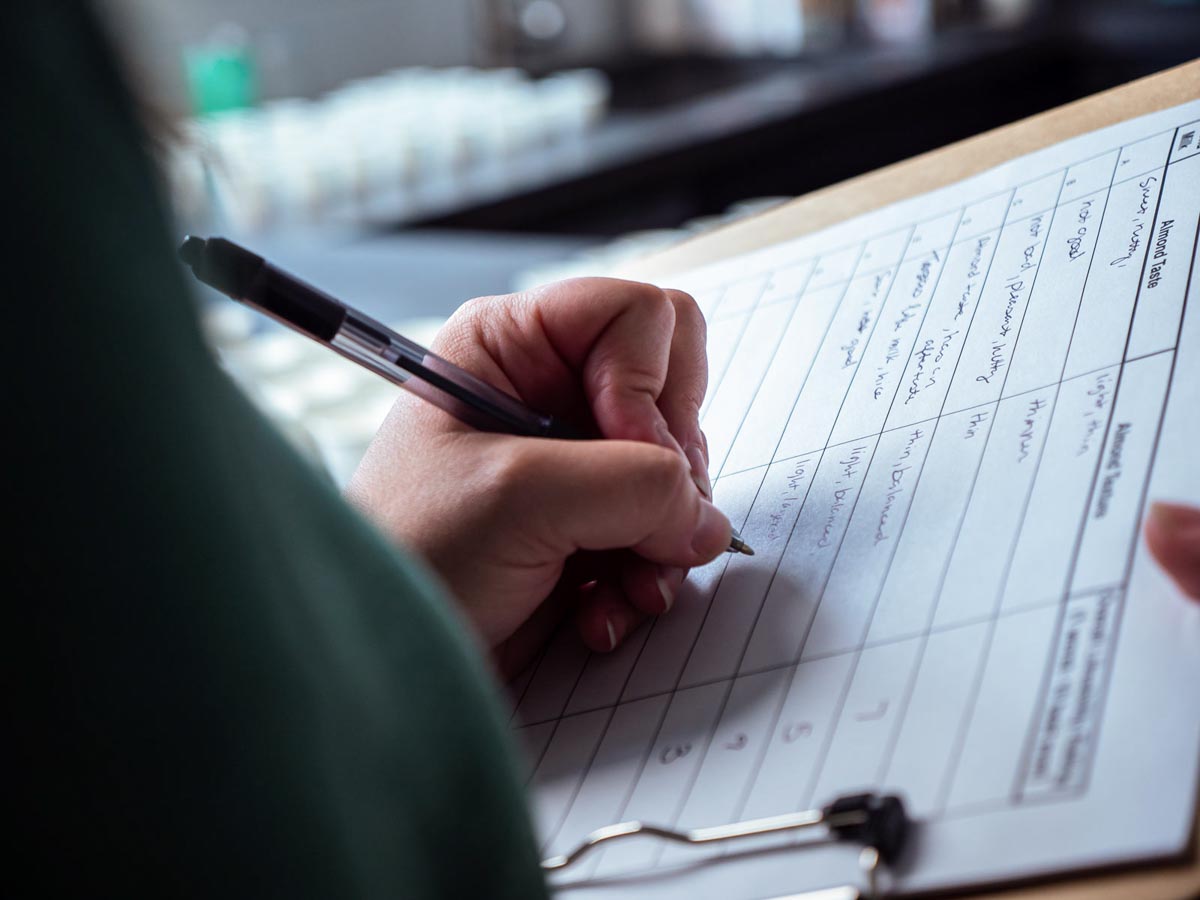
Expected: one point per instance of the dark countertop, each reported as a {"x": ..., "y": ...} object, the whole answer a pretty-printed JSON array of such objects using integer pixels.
[
  {"x": 688, "y": 137},
  {"x": 676, "y": 118}
]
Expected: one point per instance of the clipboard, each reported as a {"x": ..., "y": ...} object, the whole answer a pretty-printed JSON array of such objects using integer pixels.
[{"x": 937, "y": 168}]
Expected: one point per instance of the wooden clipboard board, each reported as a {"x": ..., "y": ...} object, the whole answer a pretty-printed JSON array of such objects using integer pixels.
[{"x": 918, "y": 175}]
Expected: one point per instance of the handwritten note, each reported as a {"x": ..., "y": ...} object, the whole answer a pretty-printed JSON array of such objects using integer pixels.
[{"x": 939, "y": 424}]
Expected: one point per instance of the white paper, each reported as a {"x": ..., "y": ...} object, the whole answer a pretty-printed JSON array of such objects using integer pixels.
[{"x": 939, "y": 425}]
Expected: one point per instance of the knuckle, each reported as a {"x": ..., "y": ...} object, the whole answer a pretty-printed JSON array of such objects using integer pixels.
[
  {"x": 466, "y": 327},
  {"x": 644, "y": 291},
  {"x": 650, "y": 299},
  {"x": 473, "y": 310},
  {"x": 519, "y": 464},
  {"x": 484, "y": 316},
  {"x": 630, "y": 382},
  {"x": 490, "y": 323},
  {"x": 509, "y": 470},
  {"x": 688, "y": 310},
  {"x": 691, "y": 402},
  {"x": 664, "y": 479},
  {"x": 685, "y": 304},
  {"x": 664, "y": 308}
]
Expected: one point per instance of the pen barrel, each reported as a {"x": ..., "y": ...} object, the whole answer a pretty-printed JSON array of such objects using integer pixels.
[
  {"x": 236, "y": 272},
  {"x": 247, "y": 277},
  {"x": 295, "y": 303}
]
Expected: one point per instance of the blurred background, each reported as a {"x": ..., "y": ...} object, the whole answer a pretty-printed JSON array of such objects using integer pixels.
[{"x": 407, "y": 155}]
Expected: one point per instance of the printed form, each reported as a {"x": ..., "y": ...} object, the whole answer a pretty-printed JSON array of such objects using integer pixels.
[{"x": 939, "y": 425}]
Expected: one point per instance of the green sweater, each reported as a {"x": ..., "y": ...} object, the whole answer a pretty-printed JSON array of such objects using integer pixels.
[{"x": 223, "y": 680}]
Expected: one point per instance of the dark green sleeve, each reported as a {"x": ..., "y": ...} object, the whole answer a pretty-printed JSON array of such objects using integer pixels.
[{"x": 225, "y": 682}]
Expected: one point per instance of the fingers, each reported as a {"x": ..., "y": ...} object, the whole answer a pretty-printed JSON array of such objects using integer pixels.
[
  {"x": 605, "y": 604},
  {"x": 609, "y": 612},
  {"x": 613, "y": 339},
  {"x": 631, "y": 359},
  {"x": 623, "y": 592},
  {"x": 517, "y": 651},
  {"x": 605, "y": 617},
  {"x": 1173, "y": 536},
  {"x": 629, "y": 592},
  {"x": 601, "y": 495},
  {"x": 632, "y": 353},
  {"x": 651, "y": 587},
  {"x": 618, "y": 336}
]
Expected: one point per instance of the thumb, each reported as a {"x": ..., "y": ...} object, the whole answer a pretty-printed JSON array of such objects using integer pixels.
[{"x": 607, "y": 495}]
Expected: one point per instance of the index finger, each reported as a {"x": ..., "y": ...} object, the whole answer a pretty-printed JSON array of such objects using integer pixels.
[
  {"x": 620, "y": 336},
  {"x": 610, "y": 337}
]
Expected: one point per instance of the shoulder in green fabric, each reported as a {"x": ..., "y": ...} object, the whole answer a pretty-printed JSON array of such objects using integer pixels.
[{"x": 230, "y": 682}]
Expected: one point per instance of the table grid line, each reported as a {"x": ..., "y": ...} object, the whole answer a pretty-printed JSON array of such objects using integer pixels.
[
  {"x": 775, "y": 353},
  {"x": 748, "y": 316}
]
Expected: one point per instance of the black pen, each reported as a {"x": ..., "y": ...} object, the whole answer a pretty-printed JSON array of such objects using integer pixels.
[{"x": 248, "y": 278}]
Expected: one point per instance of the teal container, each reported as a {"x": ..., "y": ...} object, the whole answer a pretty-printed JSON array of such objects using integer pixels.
[{"x": 220, "y": 78}]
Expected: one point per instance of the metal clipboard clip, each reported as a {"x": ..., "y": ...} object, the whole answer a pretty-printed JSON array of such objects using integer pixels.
[{"x": 878, "y": 823}]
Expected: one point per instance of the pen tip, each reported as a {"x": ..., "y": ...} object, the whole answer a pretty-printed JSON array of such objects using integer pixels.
[{"x": 737, "y": 545}]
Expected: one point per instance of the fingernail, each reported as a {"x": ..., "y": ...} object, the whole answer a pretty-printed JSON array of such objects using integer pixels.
[
  {"x": 695, "y": 458},
  {"x": 612, "y": 634},
  {"x": 669, "y": 578},
  {"x": 1171, "y": 517},
  {"x": 712, "y": 532}
]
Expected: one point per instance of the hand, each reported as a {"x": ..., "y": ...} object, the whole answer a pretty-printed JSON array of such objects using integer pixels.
[
  {"x": 1173, "y": 536},
  {"x": 526, "y": 530}
]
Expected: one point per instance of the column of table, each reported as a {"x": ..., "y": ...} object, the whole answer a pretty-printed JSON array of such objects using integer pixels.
[
  {"x": 671, "y": 642},
  {"x": 885, "y": 687},
  {"x": 654, "y": 669},
  {"x": 1064, "y": 729},
  {"x": 727, "y": 764},
  {"x": 993, "y": 737},
  {"x": 796, "y": 765}
]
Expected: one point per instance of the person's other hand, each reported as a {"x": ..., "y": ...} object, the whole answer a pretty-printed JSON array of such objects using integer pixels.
[
  {"x": 1173, "y": 535},
  {"x": 524, "y": 530}
]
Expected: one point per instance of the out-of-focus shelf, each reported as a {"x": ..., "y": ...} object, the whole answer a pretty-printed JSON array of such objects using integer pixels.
[
  {"x": 721, "y": 111},
  {"x": 688, "y": 138}
]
